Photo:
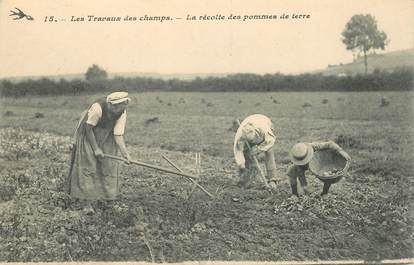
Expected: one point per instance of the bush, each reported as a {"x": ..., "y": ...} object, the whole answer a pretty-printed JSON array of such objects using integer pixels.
[
  {"x": 9, "y": 113},
  {"x": 401, "y": 78},
  {"x": 39, "y": 115}
]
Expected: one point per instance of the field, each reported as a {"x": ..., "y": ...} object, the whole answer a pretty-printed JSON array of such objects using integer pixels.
[
  {"x": 385, "y": 61},
  {"x": 368, "y": 215}
]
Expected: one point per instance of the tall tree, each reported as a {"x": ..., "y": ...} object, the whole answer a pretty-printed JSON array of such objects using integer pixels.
[
  {"x": 95, "y": 73},
  {"x": 361, "y": 33}
]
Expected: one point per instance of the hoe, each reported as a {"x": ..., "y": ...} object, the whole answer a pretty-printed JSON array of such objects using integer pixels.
[{"x": 179, "y": 172}]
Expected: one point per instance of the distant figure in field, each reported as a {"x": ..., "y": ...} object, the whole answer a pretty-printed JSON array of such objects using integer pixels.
[
  {"x": 300, "y": 155},
  {"x": 100, "y": 131},
  {"x": 384, "y": 101},
  {"x": 257, "y": 131}
]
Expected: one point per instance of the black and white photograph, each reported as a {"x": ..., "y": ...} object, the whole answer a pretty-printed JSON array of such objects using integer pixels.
[{"x": 207, "y": 132}]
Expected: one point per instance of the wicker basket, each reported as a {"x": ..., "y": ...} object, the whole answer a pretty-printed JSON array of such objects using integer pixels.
[{"x": 328, "y": 165}]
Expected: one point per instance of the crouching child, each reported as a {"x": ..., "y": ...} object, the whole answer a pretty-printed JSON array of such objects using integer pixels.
[{"x": 300, "y": 155}]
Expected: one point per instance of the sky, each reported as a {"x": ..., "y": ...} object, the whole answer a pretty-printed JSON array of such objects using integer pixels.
[{"x": 179, "y": 46}]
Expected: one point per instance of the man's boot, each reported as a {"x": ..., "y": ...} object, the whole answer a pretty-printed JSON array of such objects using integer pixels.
[
  {"x": 271, "y": 176},
  {"x": 244, "y": 178}
]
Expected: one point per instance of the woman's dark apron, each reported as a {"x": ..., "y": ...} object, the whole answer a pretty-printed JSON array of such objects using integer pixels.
[{"x": 91, "y": 178}]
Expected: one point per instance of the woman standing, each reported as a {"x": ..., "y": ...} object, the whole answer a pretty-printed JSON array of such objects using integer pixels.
[{"x": 100, "y": 131}]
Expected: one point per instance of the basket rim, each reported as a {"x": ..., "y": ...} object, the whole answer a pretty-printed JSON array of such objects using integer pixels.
[{"x": 333, "y": 176}]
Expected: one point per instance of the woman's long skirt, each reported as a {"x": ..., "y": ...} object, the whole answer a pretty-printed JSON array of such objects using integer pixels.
[{"x": 91, "y": 178}]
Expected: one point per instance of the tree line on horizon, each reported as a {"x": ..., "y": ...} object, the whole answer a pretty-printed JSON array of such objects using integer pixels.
[{"x": 400, "y": 79}]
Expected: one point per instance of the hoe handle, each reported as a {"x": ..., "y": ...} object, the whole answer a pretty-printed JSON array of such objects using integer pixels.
[
  {"x": 143, "y": 164},
  {"x": 179, "y": 173}
]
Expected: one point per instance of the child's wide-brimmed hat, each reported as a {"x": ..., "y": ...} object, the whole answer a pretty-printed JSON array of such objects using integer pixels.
[
  {"x": 301, "y": 154},
  {"x": 117, "y": 97}
]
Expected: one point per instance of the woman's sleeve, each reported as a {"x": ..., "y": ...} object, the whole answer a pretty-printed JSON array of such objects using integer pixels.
[
  {"x": 238, "y": 148},
  {"x": 119, "y": 128},
  {"x": 269, "y": 139},
  {"x": 94, "y": 114}
]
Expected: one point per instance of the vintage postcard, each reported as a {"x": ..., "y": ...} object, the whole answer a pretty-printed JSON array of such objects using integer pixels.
[{"x": 207, "y": 131}]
